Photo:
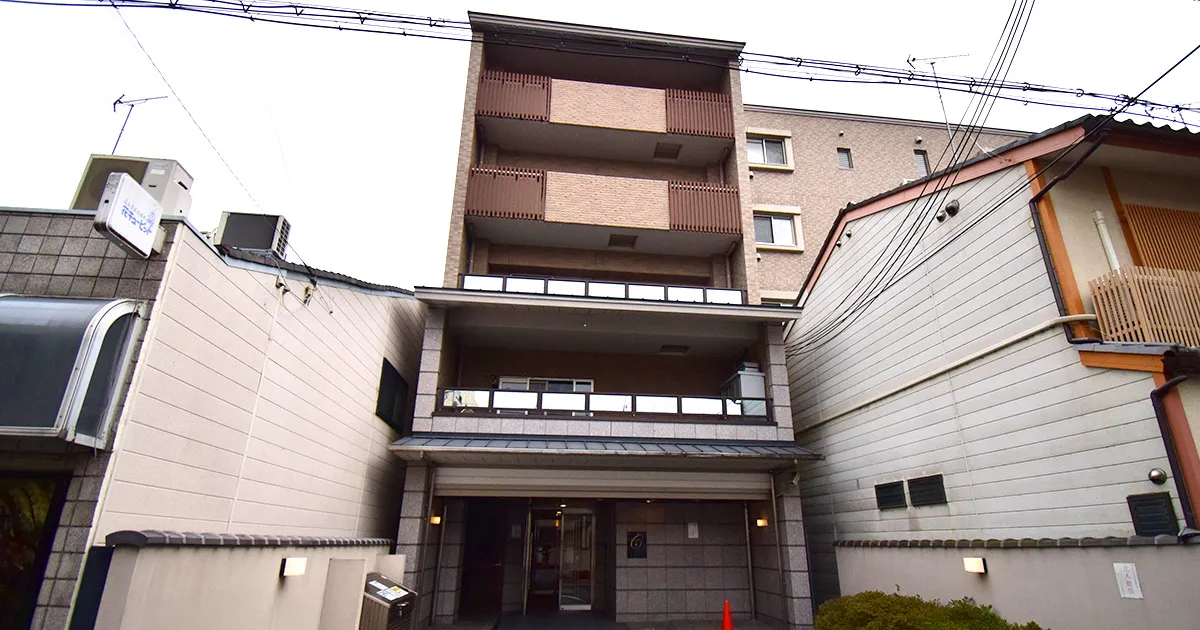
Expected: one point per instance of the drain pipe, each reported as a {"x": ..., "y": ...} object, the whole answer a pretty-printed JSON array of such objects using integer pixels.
[
  {"x": 1164, "y": 427},
  {"x": 749, "y": 560},
  {"x": 783, "y": 590}
]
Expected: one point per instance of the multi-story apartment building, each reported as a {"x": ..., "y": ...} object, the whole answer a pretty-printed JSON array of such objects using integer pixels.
[
  {"x": 1008, "y": 412},
  {"x": 602, "y": 416}
]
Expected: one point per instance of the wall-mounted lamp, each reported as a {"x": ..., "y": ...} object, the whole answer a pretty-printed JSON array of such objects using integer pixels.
[
  {"x": 292, "y": 567},
  {"x": 762, "y": 522},
  {"x": 975, "y": 565},
  {"x": 436, "y": 519},
  {"x": 1157, "y": 476}
]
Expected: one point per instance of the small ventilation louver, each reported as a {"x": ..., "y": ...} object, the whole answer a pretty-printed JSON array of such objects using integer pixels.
[
  {"x": 890, "y": 495},
  {"x": 1153, "y": 514},
  {"x": 927, "y": 491},
  {"x": 673, "y": 350},
  {"x": 667, "y": 151},
  {"x": 622, "y": 241}
]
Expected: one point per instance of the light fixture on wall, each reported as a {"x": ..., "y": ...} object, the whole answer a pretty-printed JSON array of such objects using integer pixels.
[
  {"x": 762, "y": 522},
  {"x": 1157, "y": 476},
  {"x": 975, "y": 565},
  {"x": 436, "y": 519},
  {"x": 293, "y": 567}
]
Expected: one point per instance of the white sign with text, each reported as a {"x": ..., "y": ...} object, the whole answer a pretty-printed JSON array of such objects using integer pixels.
[{"x": 128, "y": 215}]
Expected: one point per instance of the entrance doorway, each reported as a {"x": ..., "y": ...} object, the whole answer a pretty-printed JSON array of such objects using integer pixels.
[
  {"x": 561, "y": 557},
  {"x": 30, "y": 506}
]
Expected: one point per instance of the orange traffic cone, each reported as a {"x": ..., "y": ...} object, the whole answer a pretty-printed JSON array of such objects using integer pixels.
[{"x": 727, "y": 621}]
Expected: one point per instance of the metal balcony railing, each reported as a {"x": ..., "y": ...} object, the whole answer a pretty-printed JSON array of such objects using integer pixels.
[
  {"x": 1147, "y": 305},
  {"x": 507, "y": 193},
  {"x": 701, "y": 207},
  {"x": 592, "y": 404},
  {"x": 603, "y": 289},
  {"x": 512, "y": 95},
  {"x": 699, "y": 113}
]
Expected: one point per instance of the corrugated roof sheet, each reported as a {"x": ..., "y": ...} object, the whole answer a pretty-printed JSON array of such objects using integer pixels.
[{"x": 602, "y": 446}]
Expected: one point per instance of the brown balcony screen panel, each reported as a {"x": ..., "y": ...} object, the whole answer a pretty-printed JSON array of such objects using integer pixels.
[
  {"x": 700, "y": 207},
  {"x": 1145, "y": 305},
  {"x": 1165, "y": 238},
  {"x": 507, "y": 193},
  {"x": 512, "y": 95},
  {"x": 699, "y": 113}
]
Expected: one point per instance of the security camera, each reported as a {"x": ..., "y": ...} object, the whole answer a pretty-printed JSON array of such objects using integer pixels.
[
  {"x": 952, "y": 207},
  {"x": 940, "y": 216}
]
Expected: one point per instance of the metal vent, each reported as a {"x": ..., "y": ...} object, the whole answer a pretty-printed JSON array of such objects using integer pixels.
[
  {"x": 622, "y": 241},
  {"x": 927, "y": 490},
  {"x": 890, "y": 495},
  {"x": 1153, "y": 514},
  {"x": 673, "y": 350},
  {"x": 845, "y": 160}
]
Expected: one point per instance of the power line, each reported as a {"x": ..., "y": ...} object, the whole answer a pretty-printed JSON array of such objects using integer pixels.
[
  {"x": 764, "y": 64},
  {"x": 185, "y": 109}
]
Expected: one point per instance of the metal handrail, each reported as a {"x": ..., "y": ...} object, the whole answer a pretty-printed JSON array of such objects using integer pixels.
[
  {"x": 542, "y": 285},
  {"x": 590, "y": 404}
]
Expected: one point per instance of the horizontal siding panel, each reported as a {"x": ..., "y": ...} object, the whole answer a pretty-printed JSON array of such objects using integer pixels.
[
  {"x": 148, "y": 440},
  {"x": 175, "y": 475}
]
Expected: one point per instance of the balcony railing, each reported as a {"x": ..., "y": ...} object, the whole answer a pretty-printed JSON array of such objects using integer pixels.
[
  {"x": 591, "y": 404},
  {"x": 595, "y": 288},
  {"x": 507, "y": 193},
  {"x": 512, "y": 95},
  {"x": 1146, "y": 305},
  {"x": 699, "y": 113},
  {"x": 701, "y": 207}
]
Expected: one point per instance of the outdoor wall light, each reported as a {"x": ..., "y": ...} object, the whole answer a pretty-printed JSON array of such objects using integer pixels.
[
  {"x": 436, "y": 519},
  {"x": 762, "y": 522},
  {"x": 975, "y": 565},
  {"x": 292, "y": 567},
  {"x": 1157, "y": 476}
]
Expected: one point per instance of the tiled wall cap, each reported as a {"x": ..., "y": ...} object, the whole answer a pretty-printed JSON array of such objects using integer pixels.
[
  {"x": 156, "y": 538},
  {"x": 1024, "y": 543}
]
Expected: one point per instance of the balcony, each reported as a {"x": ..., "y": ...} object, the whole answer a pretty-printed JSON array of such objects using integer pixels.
[
  {"x": 542, "y": 99},
  {"x": 583, "y": 199},
  {"x": 592, "y": 288},
  {"x": 1148, "y": 305},
  {"x": 602, "y": 405}
]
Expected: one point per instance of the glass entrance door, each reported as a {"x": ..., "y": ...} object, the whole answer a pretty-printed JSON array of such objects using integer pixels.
[{"x": 578, "y": 560}]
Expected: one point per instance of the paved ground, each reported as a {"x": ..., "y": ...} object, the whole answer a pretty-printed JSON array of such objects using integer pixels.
[{"x": 591, "y": 621}]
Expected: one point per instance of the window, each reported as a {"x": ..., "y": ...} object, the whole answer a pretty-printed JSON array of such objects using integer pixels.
[
  {"x": 890, "y": 495},
  {"x": 845, "y": 160},
  {"x": 774, "y": 230},
  {"x": 766, "y": 151},
  {"x": 1153, "y": 514},
  {"x": 921, "y": 157},
  {"x": 523, "y": 384},
  {"x": 927, "y": 491},
  {"x": 393, "y": 396}
]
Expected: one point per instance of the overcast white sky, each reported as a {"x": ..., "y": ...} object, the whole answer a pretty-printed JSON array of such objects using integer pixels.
[{"x": 353, "y": 137}]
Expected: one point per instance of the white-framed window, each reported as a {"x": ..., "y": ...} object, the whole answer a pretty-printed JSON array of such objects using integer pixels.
[
  {"x": 921, "y": 159},
  {"x": 845, "y": 160},
  {"x": 771, "y": 151},
  {"x": 545, "y": 384},
  {"x": 773, "y": 229}
]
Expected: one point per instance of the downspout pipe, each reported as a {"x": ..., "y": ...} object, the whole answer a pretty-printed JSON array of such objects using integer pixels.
[{"x": 1164, "y": 427}]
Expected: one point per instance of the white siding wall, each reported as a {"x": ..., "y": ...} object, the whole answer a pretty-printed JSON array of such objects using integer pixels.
[
  {"x": 253, "y": 412},
  {"x": 1031, "y": 443}
]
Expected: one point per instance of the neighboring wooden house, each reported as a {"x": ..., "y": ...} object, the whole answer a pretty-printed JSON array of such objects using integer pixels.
[{"x": 977, "y": 361}]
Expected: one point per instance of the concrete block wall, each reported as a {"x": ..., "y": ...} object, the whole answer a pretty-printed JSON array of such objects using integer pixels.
[
  {"x": 449, "y": 559},
  {"x": 781, "y": 598},
  {"x": 682, "y": 578},
  {"x": 456, "y": 245}
]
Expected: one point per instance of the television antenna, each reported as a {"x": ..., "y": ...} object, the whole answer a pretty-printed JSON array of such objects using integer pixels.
[{"x": 131, "y": 103}]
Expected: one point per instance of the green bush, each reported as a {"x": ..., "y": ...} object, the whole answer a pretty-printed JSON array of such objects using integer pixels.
[{"x": 873, "y": 610}]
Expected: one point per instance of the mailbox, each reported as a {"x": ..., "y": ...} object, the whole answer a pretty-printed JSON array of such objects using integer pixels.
[{"x": 387, "y": 605}]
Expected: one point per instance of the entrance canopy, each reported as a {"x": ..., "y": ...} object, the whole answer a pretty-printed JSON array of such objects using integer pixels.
[{"x": 61, "y": 363}]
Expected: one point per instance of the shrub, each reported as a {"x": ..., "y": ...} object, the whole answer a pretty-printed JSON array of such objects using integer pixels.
[{"x": 873, "y": 610}]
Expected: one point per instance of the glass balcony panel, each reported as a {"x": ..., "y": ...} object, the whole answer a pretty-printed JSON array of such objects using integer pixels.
[
  {"x": 685, "y": 294},
  {"x": 515, "y": 400},
  {"x": 611, "y": 402},
  {"x": 566, "y": 287},
  {"x": 465, "y": 398},
  {"x": 606, "y": 289},
  {"x": 526, "y": 285},
  {"x": 724, "y": 296},
  {"x": 733, "y": 407},
  {"x": 483, "y": 283},
  {"x": 754, "y": 407},
  {"x": 657, "y": 404},
  {"x": 701, "y": 406},
  {"x": 564, "y": 402},
  {"x": 647, "y": 292}
]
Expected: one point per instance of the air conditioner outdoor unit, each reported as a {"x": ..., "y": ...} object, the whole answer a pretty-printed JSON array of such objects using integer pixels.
[
  {"x": 165, "y": 180},
  {"x": 262, "y": 233}
]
